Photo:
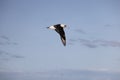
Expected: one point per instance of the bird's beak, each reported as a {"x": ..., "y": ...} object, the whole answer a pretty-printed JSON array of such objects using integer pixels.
[{"x": 47, "y": 27}]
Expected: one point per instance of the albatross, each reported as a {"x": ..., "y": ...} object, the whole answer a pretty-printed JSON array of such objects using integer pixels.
[{"x": 59, "y": 28}]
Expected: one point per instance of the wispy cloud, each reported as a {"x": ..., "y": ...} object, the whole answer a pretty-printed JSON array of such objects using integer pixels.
[
  {"x": 6, "y": 55},
  {"x": 90, "y": 45},
  {"x": 112, "y": 25},
  {"x": 80, "y": 31},
  {"x": 4, "y": 40},
  {"x": 107, "y": 25},
  {"x": 108, "y": 43},
  {"x": 87, "y": 43},
  {"x": 96, "y": 43}
]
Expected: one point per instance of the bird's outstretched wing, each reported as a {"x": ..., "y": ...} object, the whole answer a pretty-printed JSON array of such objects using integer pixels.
[{"x": 61, "y": 32}]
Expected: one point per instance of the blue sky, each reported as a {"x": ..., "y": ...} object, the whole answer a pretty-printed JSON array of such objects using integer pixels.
[{"x": 93, "y": 41}]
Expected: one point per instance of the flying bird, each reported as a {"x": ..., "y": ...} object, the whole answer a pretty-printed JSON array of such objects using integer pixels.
[{"x": 59, "y": 28}]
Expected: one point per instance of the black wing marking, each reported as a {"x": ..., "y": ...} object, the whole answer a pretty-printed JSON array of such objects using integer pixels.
[
  {"x": 63, "y": 41},
  {"x": 61, "y": 32}
]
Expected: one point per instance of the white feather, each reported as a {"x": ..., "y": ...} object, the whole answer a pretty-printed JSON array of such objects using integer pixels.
[
  {"x": 63, "y": 25},
  {"x": 52, "y": 27}
]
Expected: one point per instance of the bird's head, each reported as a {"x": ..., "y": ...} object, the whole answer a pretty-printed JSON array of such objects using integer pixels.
[{"x": 63, "y": 25}]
